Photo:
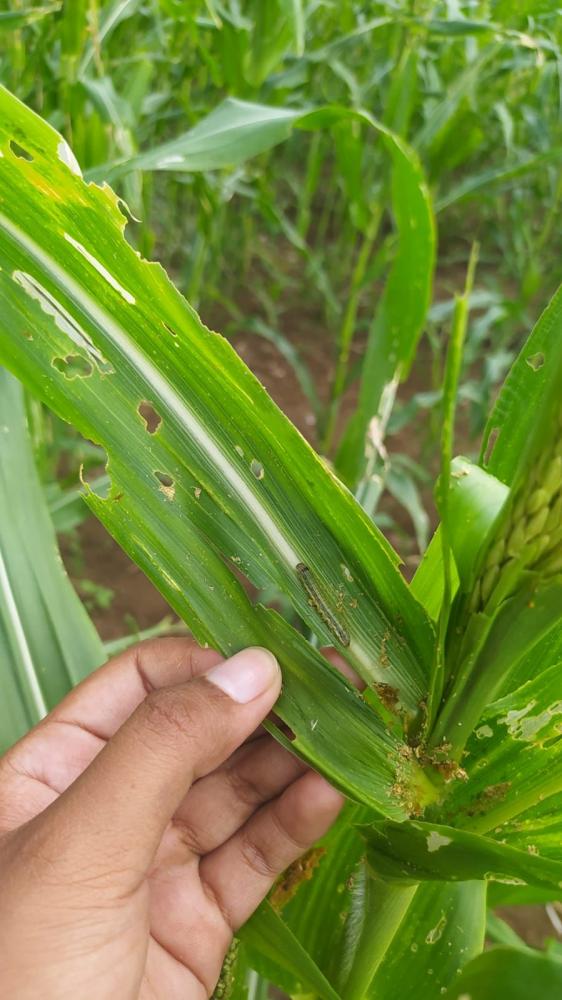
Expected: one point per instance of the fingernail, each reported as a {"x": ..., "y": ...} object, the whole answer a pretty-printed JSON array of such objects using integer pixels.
[{"x": 245, "y": 675}]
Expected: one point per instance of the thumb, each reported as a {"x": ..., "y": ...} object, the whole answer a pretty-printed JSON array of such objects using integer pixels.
[{"x": 121, "y": 804}]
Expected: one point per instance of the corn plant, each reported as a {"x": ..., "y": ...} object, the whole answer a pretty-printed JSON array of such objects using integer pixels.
[
  {"x": 473, "y": 90},
  {"x": 450, "y": 756}
]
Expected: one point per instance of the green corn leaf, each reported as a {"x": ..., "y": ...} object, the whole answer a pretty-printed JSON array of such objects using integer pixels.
[
  {"x": 510, "y": 591},
  {"x": 443, "y": 113},
  {"x": 451, "y": 377},
  {"x": 538, "y": 658},
  {"x": 316, "y": 699},
  {"x": 108, "y": 342},
  {"x": 458, "y": 27},
  {"x": 522, "y": 974},
  {"x": 491, "y": 648},
  {"x": 325, "y": 53},
  {"x": 520, "y": 421},
  {"x": 540, "y": 826},
  {"x": 398, "y": 322},
  {"x": 231, "y": 134},
  {"x": 494, "y": 178},
  {"x": 428, "y": 584},
  {"x": 277, "y": 31},
  {"x": 328, "y": 912},
  {"x": 237, "y": 130},
  {"x": 370, "y": 764},
  {"x": 373, "y": 927},
  {"x": 318, "y": 897},
  {"x": 47, "y": 642},
  {"x": 13, "y": 19},
  {"x": 520, "y": 895},
  {"x": 112, "y": 14},
  {"x": 417, "y": 852},
  {"x": 442, "y": 930},
  {"x": 514, "y": 757},
  {"x": 272, "y": 947},
  {"x": 475, "y": 501}
]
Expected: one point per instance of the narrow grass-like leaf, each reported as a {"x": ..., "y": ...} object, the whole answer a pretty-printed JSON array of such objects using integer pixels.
[
  {"x": 445, "y": 109},
  {"x": 47, "y": 642},
  {"x": 278, "y": 29},
  {"x": 451, "y": 377},
  {"x": 112, "y": 14},
  {"x": 397, "y": 326},
  {"x": 518, "y": 423},
  {"x": 496, "y": 178}
]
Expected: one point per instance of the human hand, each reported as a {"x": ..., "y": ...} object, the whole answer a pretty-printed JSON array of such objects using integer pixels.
[{"x": 138, "y": 830}]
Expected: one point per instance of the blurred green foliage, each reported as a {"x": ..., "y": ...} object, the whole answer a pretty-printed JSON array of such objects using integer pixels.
[{"x": 305, "y": 229}]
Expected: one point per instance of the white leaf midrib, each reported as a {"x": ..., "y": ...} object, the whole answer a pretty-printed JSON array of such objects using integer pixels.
[{"x": 18, "y": 632}]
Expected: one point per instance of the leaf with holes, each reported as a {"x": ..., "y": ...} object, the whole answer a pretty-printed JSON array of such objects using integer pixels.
[
  {"x": 200, "y": 456},
  {"x": 513, "y": 758}
]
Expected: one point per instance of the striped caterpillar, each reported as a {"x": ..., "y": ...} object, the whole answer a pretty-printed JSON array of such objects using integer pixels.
[{"x": 317, "y": 602}]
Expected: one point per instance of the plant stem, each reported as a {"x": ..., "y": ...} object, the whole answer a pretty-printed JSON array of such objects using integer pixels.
[
  {"x": 313, "y": 165},
  {"x": 347, "y": 328},
  {"x": 383, "y": 908},
  {"x": 452, "y": 374}
]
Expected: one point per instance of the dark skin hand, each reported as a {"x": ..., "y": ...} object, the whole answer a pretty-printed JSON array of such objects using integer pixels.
[{"x": 143, "y": 821}]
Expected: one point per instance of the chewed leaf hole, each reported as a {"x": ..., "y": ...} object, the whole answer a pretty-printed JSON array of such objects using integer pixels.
[
  {"x": 491, "y": 444},
  {"x": 536, "y": 361},
  {"x": 169, "y": 328},
  {"x": 151, "y": 418},
  {"x": 73, "y": 366},
  {"x": 257, "y": 469},
  {"x": 96, "y": 478},
  {"x": 20, "y": 152},
  {"x": 167, "y": 485}
]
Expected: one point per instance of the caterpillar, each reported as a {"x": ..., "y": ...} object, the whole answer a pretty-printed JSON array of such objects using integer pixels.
[{"x": 317, "y": 602}]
